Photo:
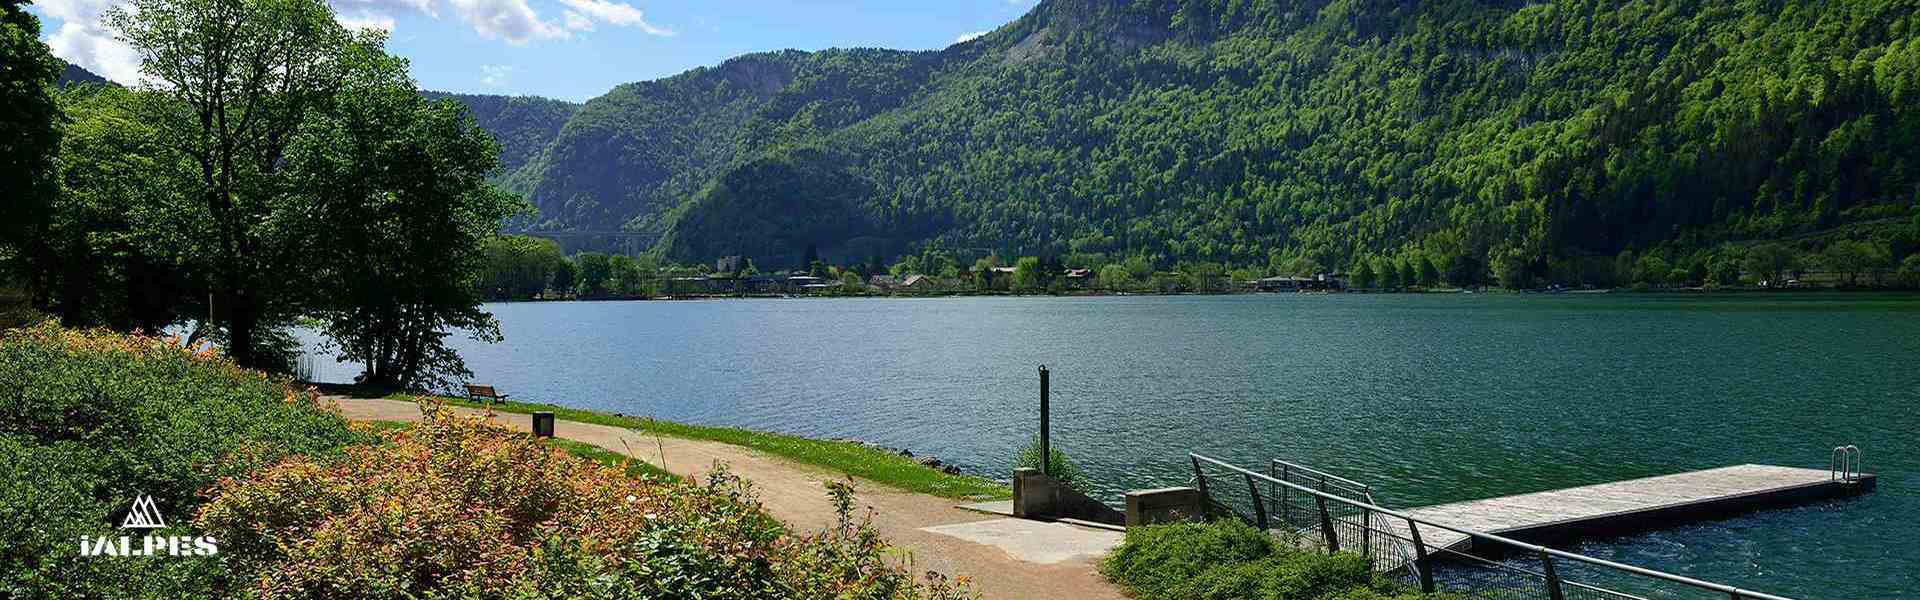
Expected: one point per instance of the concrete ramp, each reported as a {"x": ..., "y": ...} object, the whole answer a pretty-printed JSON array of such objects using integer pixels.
[{"x": 1038, "y": 542}]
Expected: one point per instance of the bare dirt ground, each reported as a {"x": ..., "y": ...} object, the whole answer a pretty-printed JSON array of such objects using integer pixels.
[{"x": 796, "y": 494}]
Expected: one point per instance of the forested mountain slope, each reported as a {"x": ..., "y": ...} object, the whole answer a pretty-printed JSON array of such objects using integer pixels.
[
  {"x": 522, "y": 124},
  {"x": 1552, "y": 134}
]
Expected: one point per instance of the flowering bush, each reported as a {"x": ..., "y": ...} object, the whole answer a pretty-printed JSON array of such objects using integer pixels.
[
  {"x": 454, "y": 507},
  {"x": 305, "y": 505},
  {"x": 91, "y": 419}
]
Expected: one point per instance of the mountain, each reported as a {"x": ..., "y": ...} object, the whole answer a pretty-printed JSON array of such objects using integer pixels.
[
  {"x": 522, "y": 124},
  {"x": 1548, "y": 135},
  {"x": 73, "y": 74}
]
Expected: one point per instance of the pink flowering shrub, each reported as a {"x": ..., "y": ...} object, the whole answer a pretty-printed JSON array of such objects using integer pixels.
[{"x": 456, "y": 508}]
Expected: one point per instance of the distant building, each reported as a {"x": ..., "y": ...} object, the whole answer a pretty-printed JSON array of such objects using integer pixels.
[
  {"x": 728, "y": 264},
  {"x": 1296, "y": 284},
  {"x": 882, "y": 282},
  {"x": 1079, "y": 278},
  {"x": 917, "y": 283}
]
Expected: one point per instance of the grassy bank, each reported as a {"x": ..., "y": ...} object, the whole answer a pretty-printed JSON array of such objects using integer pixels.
[{"x": 874, "y": 465}]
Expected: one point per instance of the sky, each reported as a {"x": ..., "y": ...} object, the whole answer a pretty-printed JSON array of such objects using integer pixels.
[{"x": 578, "y": 49}]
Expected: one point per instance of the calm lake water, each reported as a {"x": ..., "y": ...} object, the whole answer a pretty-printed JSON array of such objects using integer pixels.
[{"x": 1431, "y": 398}]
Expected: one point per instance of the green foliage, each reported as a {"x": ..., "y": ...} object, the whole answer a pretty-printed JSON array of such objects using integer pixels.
[
  {"x": 1225, "y": 131},
  {"x": 29, "y": 139},
  {"x": 1059, "y": 466},
  {"x": 114, "y": 243},
  {"x": 1029, "y": 274},
  {"x": 1158, "y": 561},
  {"x": 398, "y": 520},
  {"x": 518, "y": 267},
  {"x": 1228, "y": 560},
  {"x": 394, "y": 187},
  {"x": 89, "y": 420},
  {"x": 1851, "y": 258},
  {"x": 522, "y": 124}
]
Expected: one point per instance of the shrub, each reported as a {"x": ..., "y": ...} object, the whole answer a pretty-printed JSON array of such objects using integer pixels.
[
  {"x": 1228, "y": 560},
  {"x": 1154, "y": 561},
  {"x": 1059, "y": 466},
  {"x": 89, "y": 420},
  {"x": 453, "y": 507}
]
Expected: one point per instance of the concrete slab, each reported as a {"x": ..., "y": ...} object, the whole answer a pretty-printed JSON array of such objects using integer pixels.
[
  {"x": 1037, "y": 542},
  {"x": 1003, "y": 508}
]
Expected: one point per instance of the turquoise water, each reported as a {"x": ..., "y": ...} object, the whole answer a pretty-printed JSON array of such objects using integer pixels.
[{"x": 1432, "y": 398}]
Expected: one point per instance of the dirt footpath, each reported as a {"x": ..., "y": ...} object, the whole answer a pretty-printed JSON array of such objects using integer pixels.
[{"x": 796, "y": 494}]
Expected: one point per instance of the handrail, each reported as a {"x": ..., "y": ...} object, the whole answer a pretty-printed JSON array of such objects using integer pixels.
[
  {"x": 1319, "y": 473},
  {"x": 1734, "y": 592},
  {"x": 1846, "y": 463}
]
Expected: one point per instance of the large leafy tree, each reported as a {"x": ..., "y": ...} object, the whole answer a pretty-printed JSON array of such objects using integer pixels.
[
  {"x": 109, "y": 229},
  {"x": 240, "y": 78},
  {"x": 29, "y": 137},
  {"x": 395, "y": 189}
]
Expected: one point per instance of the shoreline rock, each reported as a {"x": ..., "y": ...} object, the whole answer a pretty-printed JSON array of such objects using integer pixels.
[{"x": 926, "y": 461}]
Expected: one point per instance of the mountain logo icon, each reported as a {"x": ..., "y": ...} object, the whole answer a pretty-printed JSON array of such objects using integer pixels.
[{"x": 144, "y": 515}]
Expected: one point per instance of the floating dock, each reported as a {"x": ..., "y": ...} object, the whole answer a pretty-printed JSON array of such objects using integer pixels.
[{"x": 1637, "y": 504}]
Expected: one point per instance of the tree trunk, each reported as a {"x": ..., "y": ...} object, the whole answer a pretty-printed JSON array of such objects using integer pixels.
[{"x": 243, "y": 323}]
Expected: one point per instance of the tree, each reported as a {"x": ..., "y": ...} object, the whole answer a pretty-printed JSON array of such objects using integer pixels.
[
  {"x": 1724, "y": 271},
  {"x": 1850, "y": 258},
  {"x": 1510, "y": 269},
  {"x": 29, "y": 139},
  {"x": 623, "y": 275},
  {"x": 107, "y": 225},
  {"x": 566, "y": 276},
  {"x": 1771, "y": 262},
  {"x": 241, "y": 78},
  {"x": 1652, "y": 270},
  {"x": 1910, "y": 271},
  {"x": 1465, "y": 271},
  {"x": 1302, "y": 266},
  {"x": 1386, "y": 272},
  {"x": 1361, "y": 274},
  {"x": 518, "y": 267},
  {"x": 1027, "y": 276},
  {"x": 1114, "y": 277},
  {"x": 395, "y": 188},
  {"x": 1428, "y": 274},
  {"x": 596, "y": 271}
]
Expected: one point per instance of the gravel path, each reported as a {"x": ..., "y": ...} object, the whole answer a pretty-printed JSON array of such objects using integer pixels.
[{"x": 796, "y": 494}]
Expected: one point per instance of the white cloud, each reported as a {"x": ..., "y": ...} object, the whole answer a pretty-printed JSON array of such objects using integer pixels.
[
  {"x": 616, "y": 13},
  {"x": 83, "y": 40},
  {"x": 495, "y": 75},
  {"x": 510, "y": 20},
  {"x": 968, "y": 37},
  {"x": 577, "y": 21},
  {"x": 365, "y": 20}
]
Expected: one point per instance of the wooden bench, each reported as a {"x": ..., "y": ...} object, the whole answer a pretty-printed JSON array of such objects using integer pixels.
[{"x": 484, "y": 392}]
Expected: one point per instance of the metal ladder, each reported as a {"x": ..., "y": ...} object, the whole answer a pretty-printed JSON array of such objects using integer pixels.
[{"x": 1845, "y": 464}]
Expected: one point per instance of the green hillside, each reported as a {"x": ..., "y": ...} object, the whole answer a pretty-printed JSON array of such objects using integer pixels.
[
  {"x": 1546, "y": 137},
  {"x": 522, "y": 124}
]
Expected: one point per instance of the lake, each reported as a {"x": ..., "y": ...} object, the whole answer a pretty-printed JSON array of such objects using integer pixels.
[{"x": 1430, "y": 398}]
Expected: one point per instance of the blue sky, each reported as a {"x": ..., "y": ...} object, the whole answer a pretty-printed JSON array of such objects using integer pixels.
[{"x": 578, "y": 49}]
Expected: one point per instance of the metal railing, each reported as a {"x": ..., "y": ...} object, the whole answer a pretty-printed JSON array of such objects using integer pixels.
[
  {"x": 1846, "y": 463},
  {"x": 1429, "y": 555},
  {"x": 1319, "y": 480}
]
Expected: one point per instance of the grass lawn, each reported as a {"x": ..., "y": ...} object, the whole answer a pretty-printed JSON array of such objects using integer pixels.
[{"x": 866, "y": 463}]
